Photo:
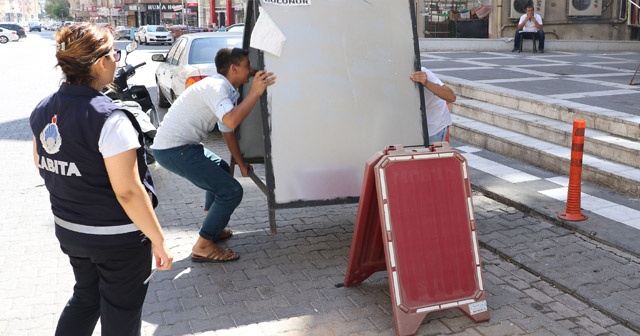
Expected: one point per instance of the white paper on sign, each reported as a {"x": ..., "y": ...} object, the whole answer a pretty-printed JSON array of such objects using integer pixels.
[{"x": 266, "y": 35}]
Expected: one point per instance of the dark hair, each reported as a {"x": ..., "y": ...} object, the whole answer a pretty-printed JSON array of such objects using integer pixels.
[
  {"x": 79, "y": 46},
  {"x": 227, "y": 56}
]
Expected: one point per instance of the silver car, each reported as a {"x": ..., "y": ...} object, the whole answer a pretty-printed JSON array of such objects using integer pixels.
[{"x": 190, "y": 59}]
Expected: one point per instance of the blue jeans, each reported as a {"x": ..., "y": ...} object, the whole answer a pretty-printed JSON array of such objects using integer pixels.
[
  {"x": 439, "y": 137},
  {"x": 209, "y": 172}
]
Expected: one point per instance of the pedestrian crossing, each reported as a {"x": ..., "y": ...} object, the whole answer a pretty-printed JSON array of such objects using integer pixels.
[{"x": 597, "y": 205}]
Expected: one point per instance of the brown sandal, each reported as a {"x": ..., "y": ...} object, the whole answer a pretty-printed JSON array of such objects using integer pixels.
[
  {"x": 218, "y": 255},
  {"x": 225, "y": 234}
]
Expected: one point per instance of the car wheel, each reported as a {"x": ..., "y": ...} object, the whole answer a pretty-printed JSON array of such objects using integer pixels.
[
  {"x": 4, "y": 39},
  {"x": 162, "y": 100},
  {"x": 153, "y": 115}
]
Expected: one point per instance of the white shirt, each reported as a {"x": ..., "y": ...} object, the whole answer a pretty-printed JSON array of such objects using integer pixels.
[
  {"x": 196, "y": 112},
  {"x": 438, "y": 116},
  {"x": 117, "y": 135},
  {"x": 530, "y": 26}
]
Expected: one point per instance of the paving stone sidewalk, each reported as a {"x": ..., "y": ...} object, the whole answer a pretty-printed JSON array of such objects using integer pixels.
[{"x": 284, "y": 284}]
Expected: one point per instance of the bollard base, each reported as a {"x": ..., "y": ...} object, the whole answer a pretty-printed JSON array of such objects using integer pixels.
[{"x": 572, "y": 217}]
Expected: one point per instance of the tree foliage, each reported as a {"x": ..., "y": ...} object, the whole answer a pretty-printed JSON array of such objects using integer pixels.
[{"x": 57, "y": 9}]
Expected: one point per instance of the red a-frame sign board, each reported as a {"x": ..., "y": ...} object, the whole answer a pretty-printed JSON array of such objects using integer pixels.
[{"x": 415, "y": 219}]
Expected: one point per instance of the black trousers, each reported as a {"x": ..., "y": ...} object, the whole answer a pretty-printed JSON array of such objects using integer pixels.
[
  {"x": 539, "y": 36},
  {"x": 109, "y": 286}
]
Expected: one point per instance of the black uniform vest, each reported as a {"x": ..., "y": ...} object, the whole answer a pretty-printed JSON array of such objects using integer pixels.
[{"x": 67, "y": 126}]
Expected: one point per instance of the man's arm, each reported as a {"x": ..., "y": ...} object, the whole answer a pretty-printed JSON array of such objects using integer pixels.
[
  {"x": 234, "y": 148},
  {"x": 523, "y": 20},
  {"x": 441, "y": 91},
  {"x": 261, "y": 80},
  {"x": 537, "y": 23}
]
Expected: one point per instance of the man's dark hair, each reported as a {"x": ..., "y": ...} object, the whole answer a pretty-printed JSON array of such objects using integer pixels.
[{"x": 227, "y": 56}]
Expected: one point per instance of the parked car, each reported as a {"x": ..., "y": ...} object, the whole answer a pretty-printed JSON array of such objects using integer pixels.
[
  {"x": 35, "y": 26},
  {"x": 122, "y": 32},
  {"x": 7, "y": 35},
  {"x": 235, "y": 28},
  {"x": 55, "y": 26},
  {"x": 22, "y": 33},
  {"x": 153, "y": 34},
  {"x": 190, "y": 59}
]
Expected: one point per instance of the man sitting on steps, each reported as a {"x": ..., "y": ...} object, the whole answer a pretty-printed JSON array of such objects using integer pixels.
[{"x": 530, "y": 23}]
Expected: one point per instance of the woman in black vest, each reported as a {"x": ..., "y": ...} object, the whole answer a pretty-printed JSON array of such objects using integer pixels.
[{"x": 91, "y": 156}]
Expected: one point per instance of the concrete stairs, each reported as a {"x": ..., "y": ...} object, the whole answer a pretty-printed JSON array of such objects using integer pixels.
[{"x": 538, "y": 130}]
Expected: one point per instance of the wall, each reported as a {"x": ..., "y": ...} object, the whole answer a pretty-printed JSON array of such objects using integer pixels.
[{"x": 557, "y": 24}]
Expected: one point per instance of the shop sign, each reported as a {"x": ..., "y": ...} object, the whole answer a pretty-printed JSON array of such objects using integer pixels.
[{"x": 288, "y": 2}]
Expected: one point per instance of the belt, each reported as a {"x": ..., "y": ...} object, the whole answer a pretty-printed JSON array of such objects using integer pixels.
[{"x": 96, "y": 230}]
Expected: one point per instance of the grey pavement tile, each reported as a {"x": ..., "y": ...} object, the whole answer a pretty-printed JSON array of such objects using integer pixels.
[
  {"x": 601, "y": 290},
  {"x": 273, "y": 290},
  {"x": 538, "y": 295},
  {"x": 324, "y": 304},
  {"x": 553, "y": 86},
  {"x": 218, "y": 323},
  {"x": 589, "y": 326},
  {"x": 254, "y": 281},
  {"x": 431, "y": 327},
  {"x": 503, "y": 328},
  {"x": 620, "y": 330},
  {"x": 219, "y": 284},
  {"x": 461, "y": 322},
  {"x": 356, "y": 313},
  {"x": 497, "y": 301},
  {"x": 283, "y": 326},
  {"x": 506, "y": 312},
  {"x": 161, "y": 306},
  {"x": 175, "y": 316},
  {"x": 181, "y": 328},
  {"x": 266, "y": 304},
  {"x": 264, "y": 314},
  {"x": 240, "y": 295},
  {"x": 623, "y": 103},
  {"x": 301, "y": 310}
]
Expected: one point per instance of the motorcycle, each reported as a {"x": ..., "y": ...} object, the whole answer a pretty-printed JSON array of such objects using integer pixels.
[{"x": 135, "y": 99}]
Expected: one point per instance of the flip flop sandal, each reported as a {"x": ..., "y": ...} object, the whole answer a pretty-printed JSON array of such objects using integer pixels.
[
  {"x": 224, "y": 235},
  {"x": 218, "y": 255}
]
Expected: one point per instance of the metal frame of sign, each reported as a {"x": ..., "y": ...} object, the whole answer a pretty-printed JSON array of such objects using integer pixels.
[{"x": 261, "y": 115}]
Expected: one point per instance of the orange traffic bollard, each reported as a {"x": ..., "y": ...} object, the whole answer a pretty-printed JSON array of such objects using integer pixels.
[{"x": 572, "y": 212}]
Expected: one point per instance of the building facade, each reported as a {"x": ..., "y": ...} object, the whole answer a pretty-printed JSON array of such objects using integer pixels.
[
  {"x": 563, "y": 19},
  {"x": 134, "y": 13},
  {"x": 21, "y": 10}
]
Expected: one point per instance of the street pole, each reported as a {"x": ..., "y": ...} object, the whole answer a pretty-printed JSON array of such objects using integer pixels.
[
  {"x": 160, "y": 12},
  {"x": 184, "y": 10}
]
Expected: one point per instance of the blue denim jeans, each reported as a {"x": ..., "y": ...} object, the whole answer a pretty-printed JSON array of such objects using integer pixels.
[
  {"x": 438, "y": 137},
  {"x": 209, "y": 172}
]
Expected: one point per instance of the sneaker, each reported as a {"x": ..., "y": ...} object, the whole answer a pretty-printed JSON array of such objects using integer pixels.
[
  {"x": 514, "y": 49},
  {"x": 542, "y": 51}
]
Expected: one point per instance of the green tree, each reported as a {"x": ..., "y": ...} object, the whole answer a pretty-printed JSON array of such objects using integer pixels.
[{"x": 57, "y": 9}]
